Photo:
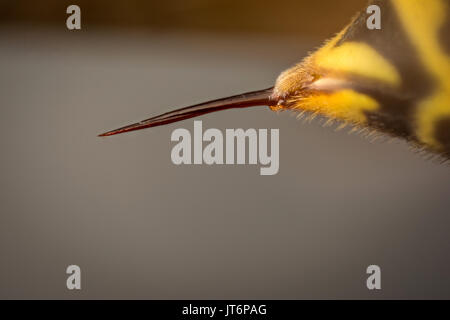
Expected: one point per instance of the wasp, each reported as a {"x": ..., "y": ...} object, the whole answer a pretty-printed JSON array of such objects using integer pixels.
[{"x": 395, "y": 80}]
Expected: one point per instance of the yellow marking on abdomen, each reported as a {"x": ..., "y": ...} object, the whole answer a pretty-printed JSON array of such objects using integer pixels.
[
  {"x": 357, "y": 58},
  {"x": 422, "y": 21},
  {"x": 347, "y": 105}
]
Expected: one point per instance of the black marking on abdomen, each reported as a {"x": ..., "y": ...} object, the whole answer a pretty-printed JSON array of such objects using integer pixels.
[{"x": 390, "y": 118}]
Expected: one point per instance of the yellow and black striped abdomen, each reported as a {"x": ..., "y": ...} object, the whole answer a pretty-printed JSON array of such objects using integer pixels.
[{"x": 395, "y": 80}]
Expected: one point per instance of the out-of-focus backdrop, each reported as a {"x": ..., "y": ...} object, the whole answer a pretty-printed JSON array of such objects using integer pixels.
[
  {"x": 319, "y": 18},
  {"x": 141, "y": 227}
]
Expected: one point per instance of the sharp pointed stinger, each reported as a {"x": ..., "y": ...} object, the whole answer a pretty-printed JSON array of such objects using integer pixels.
[{"x": 250, "y": 99}]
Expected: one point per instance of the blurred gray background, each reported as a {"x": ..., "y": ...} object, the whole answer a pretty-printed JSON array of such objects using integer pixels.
[{"x": 141, "y": 227}]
